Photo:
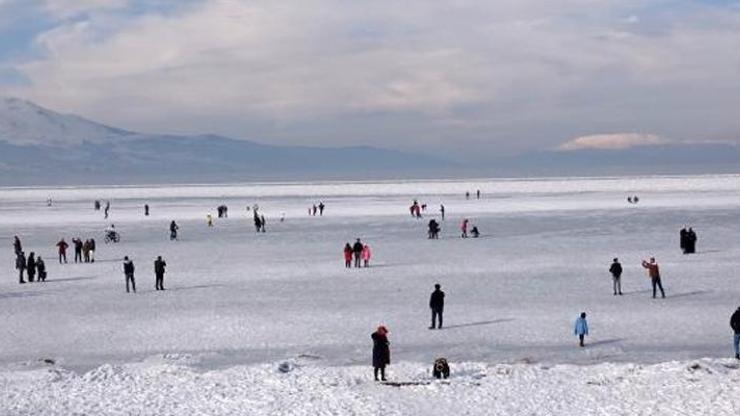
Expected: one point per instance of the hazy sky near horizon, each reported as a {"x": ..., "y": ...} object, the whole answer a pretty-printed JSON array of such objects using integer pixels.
[{"x": 475, "y": 79}]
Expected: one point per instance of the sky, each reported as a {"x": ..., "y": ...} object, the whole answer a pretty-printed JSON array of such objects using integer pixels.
[{"x": 463, "y": 78}]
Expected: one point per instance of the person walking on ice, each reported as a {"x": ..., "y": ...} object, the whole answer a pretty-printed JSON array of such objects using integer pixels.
[
  {"x": 735, "y": 325},
  {"x": 654, "y": 274},
  {"x": 159, "y": 266},
  {"x": 616, "y": 271},
  {"x": 381, "y": 352},
  {"x": 128, "y": 271},
  {"x": 437, "y": 305},
  {"x": 581, "y": 328},
  {"x": 173, "y": 230}
]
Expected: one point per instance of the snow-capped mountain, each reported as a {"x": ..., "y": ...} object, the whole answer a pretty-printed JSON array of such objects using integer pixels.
[
  {"x": 40, "y": 146},
  {"x": 25, "y": 123}
]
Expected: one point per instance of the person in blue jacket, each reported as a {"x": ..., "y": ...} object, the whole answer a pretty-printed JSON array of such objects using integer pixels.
[{"x": 581, "y": 328}]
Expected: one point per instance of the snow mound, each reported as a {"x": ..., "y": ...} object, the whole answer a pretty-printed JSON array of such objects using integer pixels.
[{"x": 697, "y": 387}]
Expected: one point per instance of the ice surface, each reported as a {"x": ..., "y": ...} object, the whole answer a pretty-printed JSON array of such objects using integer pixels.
[{"x": 236, "y": 297}]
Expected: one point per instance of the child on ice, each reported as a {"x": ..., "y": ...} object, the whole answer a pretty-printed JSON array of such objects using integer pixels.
[{"x": 581, "y": 328}]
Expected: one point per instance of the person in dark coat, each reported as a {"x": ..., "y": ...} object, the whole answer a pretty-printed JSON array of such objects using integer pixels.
[
  {"x": 437, "y": 305},
  {"x": 31, "y": 267},
  {"x": 433, "y": 232},
  {"x": 62, "y": 247},
  {"x": 474, "y": 232},
  {"x": 41, "y": 269},
  {"x": 78, "y": 249},
  {"x": 128, "y": 271},
  {"x": 691, "y": 241},
  {"x": 20, "y": 265},
  {"x": 735, "y": 325},
  {"x": 683, "y": 236},
  {"x": 173, "y": 230},
  {"x": 381, "y": 352},
  {"x": 159, "y": 266},
  {"x": 616, "y": 270},
  {"x": 347, "y": 256},
  {"x": 17, "y": 246},
  {"x": 321, "y": 208},
  {"x": 263, "y": 223},
  {"x": 146, "y": 210},
  {"x": 442, "y": 211},
  {"x": 357, "y": 251},
  {"x": 257, "y": 221}
]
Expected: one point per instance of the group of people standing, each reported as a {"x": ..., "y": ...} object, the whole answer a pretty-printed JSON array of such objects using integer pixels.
[
  {"x": 32, "y": 266},
  {"x": 653, "y": 272},
  {"x": 84, "y": 251},
  {"x": 359, "y": 252},
  {"x": 317, "y": 208},
  {"x": 129, "y": 269},
  {"x": 688, "y": 240}
]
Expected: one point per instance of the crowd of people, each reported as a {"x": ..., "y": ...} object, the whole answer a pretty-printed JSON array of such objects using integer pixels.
[{"x": 357, "y": 255}]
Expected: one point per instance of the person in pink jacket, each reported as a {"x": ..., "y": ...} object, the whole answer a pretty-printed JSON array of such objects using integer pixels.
[{"x": 365, "y": 255}]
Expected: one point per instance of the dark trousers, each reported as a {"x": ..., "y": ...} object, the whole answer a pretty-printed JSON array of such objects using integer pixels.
[
  {"x": 657, "y": 284},
  {"x": 31, "y": 275},
  {"x": 159, "y": 283},
  {"x": 78, "y": 256},
  {"x": 436, "y": 313},
  {"x": 62, "y": 256},
  {"x": 382, "y": 373},
  {"x": 348, "y": 263},
  {"x": 130, "y": 277},
  {"x": 20, "y": 276},
  {"x": 358, "y": 263},
  {"x": 580, "y": 339}
]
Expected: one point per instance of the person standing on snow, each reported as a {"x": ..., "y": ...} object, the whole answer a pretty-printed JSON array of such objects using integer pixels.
[
  {"x": 357, "y": 251},
  {"x": 735, "y": 325},
  {"x": 128, "y": 271},
  {"x": 381, "y": 352},
  {"x": 581, "y": 328},
  {"x": 17, "y": 246},
  {"x": 437, "y": 305},
  {"x": 20, "y": 265},
  {"x": 321, "y": 208},
  {"x": 173, "y": 230},
  {"x": 616, "y": 271},
  {"x": 683, "y": 237},
  {"x": 347, "y": 256},
  {"x": 654, "y": 274},
  {"x": 464, "y": 228},
  {"x": 146, "y": 210},
  {"x": 31, "y": 267},
  {"x": 78, "y": 249},
  {"x": 365, "y": 255},
  {"x": 442, "y": 211},
  {"x": 209, "y": 220},
  {"x": 41, "y": 269},
  {"x": 691, "y": 241},
  {"x": 159, "y": 266},
  {"x": 62, "y": 247},
  {"x": 92, "y": 250}
]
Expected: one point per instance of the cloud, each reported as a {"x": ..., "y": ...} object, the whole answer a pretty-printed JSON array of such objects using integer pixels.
[
  {"x": 616, "y": 141},
  {"x": 474, "y": 78},
  {"x": 69, "y": 8}
]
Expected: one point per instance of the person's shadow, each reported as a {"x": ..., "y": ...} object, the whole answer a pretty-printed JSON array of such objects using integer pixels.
[{"x": 480, "y": 323}]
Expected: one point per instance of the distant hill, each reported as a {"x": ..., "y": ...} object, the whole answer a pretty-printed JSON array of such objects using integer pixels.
[{"x": 40, "y": 146}]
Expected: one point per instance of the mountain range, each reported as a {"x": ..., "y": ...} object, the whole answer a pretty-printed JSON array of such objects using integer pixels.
[{"x": 42, "y": 147}]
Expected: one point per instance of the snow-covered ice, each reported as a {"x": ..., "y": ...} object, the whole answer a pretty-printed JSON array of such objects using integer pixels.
[{"x": 238, "y": 303}]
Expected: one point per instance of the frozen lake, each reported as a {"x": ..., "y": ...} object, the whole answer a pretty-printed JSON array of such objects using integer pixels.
[{"x": 238, "y": 297}]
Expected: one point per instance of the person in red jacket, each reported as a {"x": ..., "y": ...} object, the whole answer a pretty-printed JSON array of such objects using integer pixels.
[
  {"x": 654, "y": 274},
  {"x": 62, "y": 246},
  {"x": 347, "y": 255}
]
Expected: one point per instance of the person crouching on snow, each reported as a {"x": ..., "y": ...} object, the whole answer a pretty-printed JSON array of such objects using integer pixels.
[
  {"x": 381, "y": 351},
  {"x": 365, "y": 255},
  {"x": 581, "y": 328}
]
